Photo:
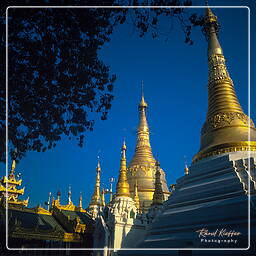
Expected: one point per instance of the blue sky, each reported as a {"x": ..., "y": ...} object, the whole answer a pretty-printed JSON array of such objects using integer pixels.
[{"x": 175, "y": 88}]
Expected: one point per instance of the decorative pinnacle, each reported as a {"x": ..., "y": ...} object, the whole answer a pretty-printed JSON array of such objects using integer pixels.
[
  {"x": 69, "y": 194},
  {"x": 158, "y": 197},
  {"x": 143, "y": 103},
  {"x": 98, "y": 165},
  {"x": 211, "y": 25},
  {"x": 143, "y": 149},
  {"x": 122, "y": 186},
  {"x": 80, "y": 200},
  {"x": 13, "y": 166}
]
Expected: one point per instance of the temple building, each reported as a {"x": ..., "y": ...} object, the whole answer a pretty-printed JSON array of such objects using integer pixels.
[
  {"x": 211, "y": 207},
  {"x": 213, "y": 204},
  {"x": 61, "y": 226}
]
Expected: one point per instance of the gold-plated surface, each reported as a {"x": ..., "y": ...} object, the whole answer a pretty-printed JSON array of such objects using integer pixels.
[
  {"x": 226, "y": 124},
  {"x": 186, "y": 170},
  {"x": 122, "y": 186},
  {"x": 9, "y": 190},
  {"x": 158, "y": 197},
  {"x": 68, "y": 207},
  {"x": 95, "y": 200},
  {"x": 142, "y": 166}
]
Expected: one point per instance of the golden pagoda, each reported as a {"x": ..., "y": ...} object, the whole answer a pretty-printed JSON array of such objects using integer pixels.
[
  {"x": 122, "y": 186},
  {"x": 142, "y": 166},
  {"x": 227, "y": 127},
  {"x": 95, "y": 203},
  {"x": 9, "y": 190}
]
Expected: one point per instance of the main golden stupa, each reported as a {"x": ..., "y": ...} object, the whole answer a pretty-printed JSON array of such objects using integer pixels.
[
  {"x": 142, "y": 168},
  {"x": 227, "y": 128}
]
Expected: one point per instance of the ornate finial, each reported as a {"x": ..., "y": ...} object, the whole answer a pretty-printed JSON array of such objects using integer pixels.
[
  {"x": 98, "y": 165},
  {"x": 80, "y": 200},
  {"x": 122, "y": 186},
  {"x": 95, "y": 200},
  {"x": 143, "y": 103},
  {"x": 111, "y": 181},
  {"x": 158, "y": 197},
  {"x": 226, "y": 127},
  {"x": 48, "y": 201},
  {"x": 13, "y": 165},
  {"x": 69, "y": 195}
]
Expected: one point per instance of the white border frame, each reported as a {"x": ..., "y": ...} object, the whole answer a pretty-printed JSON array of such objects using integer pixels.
[{"x": 131, "y": 249}]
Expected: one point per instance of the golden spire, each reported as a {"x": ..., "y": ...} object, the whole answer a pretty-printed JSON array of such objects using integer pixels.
[
  {"x": 13, "y": 166},
  {"x": 95, "y": 200},
  {"x": 143, "y": 151},
  {"x": 136, "y": 196},
  {"x": 141, "y": 169},
  {"x": 122, "y": 186},
  {"x": 80, "y": 201},
  {"x": 158, "y": 197},
  {"x": 69, "y": 195},
  {"x": 9, "y": 188},
  {"x": 226, "y": 127}
]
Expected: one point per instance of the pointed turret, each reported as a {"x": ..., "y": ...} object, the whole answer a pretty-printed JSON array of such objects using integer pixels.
[
  {"x": 80, "y": 201},
  {"x": 9, "y": 188},
  {"x": 158, "y": 197},
  {"x": 136, "y": 196},
  {"x": 69, "y": 195},
  {"x": 143, "y": 151},
  {"x": 122, "y": 186},
  {"x": 95, "y": 200},
  {"x": 227, "y": 127},
  {"x": 141, "y": 169}
]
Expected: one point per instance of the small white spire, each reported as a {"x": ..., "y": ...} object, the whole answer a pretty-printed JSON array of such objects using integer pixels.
[{"x": 69, "y": 194}]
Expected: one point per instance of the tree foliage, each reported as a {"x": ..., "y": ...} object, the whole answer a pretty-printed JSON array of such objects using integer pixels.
[{"x": 56, "y": 80}]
